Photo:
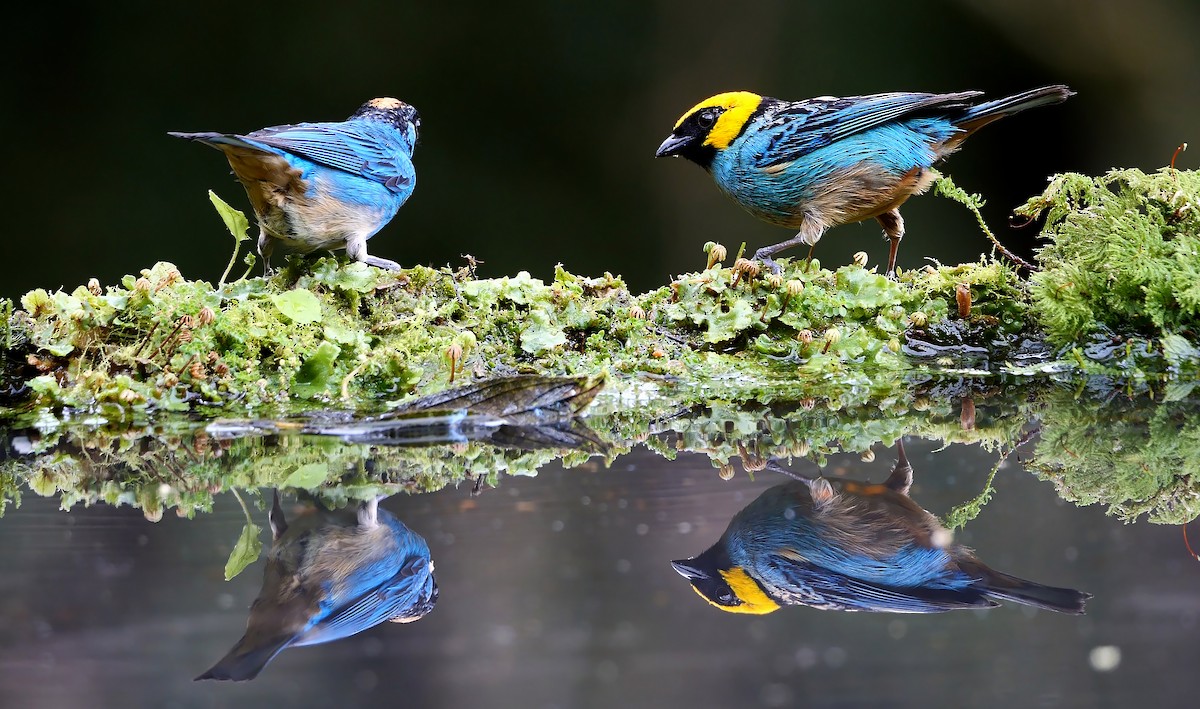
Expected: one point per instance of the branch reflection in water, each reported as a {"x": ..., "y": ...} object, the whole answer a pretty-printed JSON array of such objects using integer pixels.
[{"x": 332, "y": 573}]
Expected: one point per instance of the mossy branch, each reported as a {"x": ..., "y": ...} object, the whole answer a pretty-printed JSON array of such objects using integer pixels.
[{"x": 945, "y": 187}]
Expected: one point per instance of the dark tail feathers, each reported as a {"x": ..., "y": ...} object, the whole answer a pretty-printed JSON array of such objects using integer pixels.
[
  {"x": 216, "y": 140},
  {"x": 1010, "y": 588},
  {"x": 983, "y": 113},
  {"x": 243, "y": 663}
]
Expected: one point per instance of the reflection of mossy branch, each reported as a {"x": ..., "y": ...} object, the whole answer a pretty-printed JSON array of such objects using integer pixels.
[
  {"x": 958, "y": 517},
  {"x": 1138, "y": 459},
  {"x": 1135, "y": 456}
]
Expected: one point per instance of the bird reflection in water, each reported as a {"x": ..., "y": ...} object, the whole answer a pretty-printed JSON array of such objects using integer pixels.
[
  {"x": 853, "y": 546},
  {"x": 330, "y": 575}
]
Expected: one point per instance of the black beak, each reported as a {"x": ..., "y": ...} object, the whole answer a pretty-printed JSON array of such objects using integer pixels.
[
  {"x": 689, "y": 572},
  {"x": 672, "y": 145}
]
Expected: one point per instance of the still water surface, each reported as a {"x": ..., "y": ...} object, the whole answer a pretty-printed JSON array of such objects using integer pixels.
[{"x": 557, "y": 591}]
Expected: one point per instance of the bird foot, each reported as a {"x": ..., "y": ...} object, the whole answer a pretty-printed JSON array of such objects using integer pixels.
[
  {"x": 383, "y": 263},
  {"x": 766, "y": 260}
]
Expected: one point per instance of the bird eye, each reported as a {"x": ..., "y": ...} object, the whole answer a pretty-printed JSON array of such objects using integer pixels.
[
  {"x": 726, "y": 598},
  {"x": 706, "y": 118}
]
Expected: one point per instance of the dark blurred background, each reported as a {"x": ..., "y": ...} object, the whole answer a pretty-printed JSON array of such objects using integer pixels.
[{"x": 540, "y": 119}]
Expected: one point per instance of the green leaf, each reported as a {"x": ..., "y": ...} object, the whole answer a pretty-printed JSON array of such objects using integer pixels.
[
  {"x": 724, "y": 326},
  {"x": 313, "y": 376},
  {"x": 245, "y": 551},
  {"x": 1178, "y": 350},
  {"x": 357, "y": 277},
  {"x": 308, "y": 476},
  {"x": 235, "y": 221},
  {"x": 60, "y": 349},
  {"x": 540, "y": 334},
  {"x": 45, "y": 384},
  {"x": 243, "y": 289},
  {"x": 299, "y": 305}
]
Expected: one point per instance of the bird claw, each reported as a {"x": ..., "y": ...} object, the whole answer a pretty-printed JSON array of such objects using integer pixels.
[
  {"x": 767, "y": 261},
  {"x": 385, "y": 264}
]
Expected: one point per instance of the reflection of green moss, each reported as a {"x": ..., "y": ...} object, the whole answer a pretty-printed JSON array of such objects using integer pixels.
[
  {"x": 1133, "y": 455},
  {"x": 178, "y": 464},
  {"x": 156, "y": 470}
]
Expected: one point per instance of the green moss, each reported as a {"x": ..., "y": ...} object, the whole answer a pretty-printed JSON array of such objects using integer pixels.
[
  {"x": 1123, "y": 257},
  {"x": 343, "y": 332}
]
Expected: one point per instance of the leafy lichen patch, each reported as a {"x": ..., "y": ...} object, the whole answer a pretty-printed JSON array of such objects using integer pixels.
[{"x": 346, "y": 333}]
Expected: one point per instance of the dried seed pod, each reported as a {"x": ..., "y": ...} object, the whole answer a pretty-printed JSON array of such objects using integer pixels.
[
  {"x": 206, "y": 316},
  {"x": 745, "y": 270},
  {"x": 726, "y": 472},
  {"x": 794, "y": 287},
  {"x": 142, "y": 285},
  {"x": 171, "y": 277},
  {"x": 94, "y": 288},
  {"x": 212, "y": 357},
  {"x": 868, "y": 456},
  {"x": 196, "y": 370},
  {"x": 775, "y": 281},
  {"x": 966, "y": 417},
  {"x": 893, "y": 345},
  {"x": 832, "y": 337},
  {"x": 805, "y": 336},
  {"x": 221, "y": 369},
  {"x": 454, "y": 353},
  {"x": 918, "y": 319},
  {"x": 716, "y": 253},
  {"x": 637, "y": 312},
  {"x": 860, "y": 259},
  {"x": 962, "y": 294}
]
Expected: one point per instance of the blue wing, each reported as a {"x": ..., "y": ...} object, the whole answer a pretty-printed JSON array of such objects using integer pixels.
[
  {"x": 392, "y": 598},
  {"x": 801, "y": 127},
  {"x": 812, "y": 585},
  {"x": 377, "y": 152}
]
